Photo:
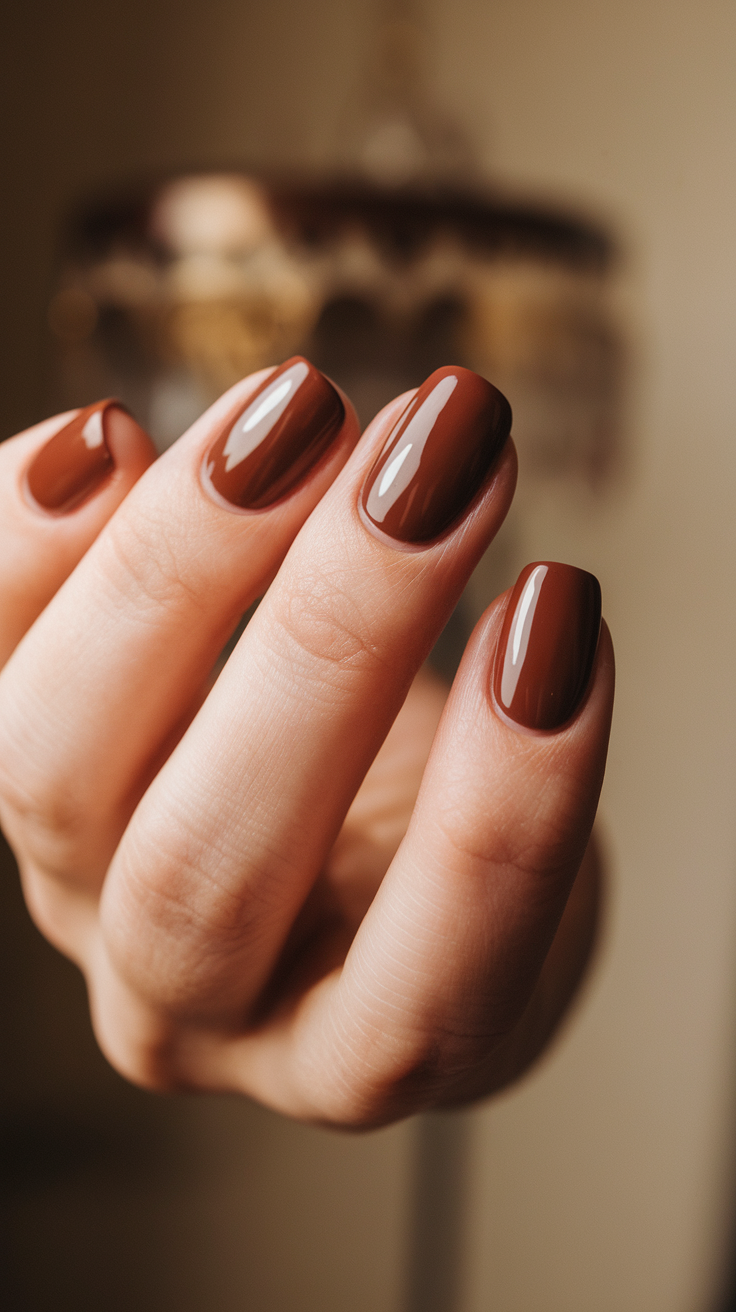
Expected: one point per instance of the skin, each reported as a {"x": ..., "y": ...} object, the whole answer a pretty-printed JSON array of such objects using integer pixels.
[{"x": 320, "y": 880}]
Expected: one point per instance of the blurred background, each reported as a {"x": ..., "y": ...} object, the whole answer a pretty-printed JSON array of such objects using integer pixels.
[{"x": 546, "y": 193}]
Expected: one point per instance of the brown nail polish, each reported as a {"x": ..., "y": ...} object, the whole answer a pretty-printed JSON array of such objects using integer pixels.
[
  {"x": 438, "y": 456},
  {"x": 76, "y": 460},
  {"x": 282, "y": 432},
  {"x": 547, "y": 644}
]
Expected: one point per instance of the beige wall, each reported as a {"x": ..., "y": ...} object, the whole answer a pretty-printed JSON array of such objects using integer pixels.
[{"x": 599, "y": 1186}]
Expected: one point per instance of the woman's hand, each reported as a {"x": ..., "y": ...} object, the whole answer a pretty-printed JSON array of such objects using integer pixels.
[{"x": 260, "y": 893}]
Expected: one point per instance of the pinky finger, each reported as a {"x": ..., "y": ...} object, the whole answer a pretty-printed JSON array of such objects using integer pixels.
[
  {"x": 59, "y": 484},
  {"x": 461, "y": 967}
]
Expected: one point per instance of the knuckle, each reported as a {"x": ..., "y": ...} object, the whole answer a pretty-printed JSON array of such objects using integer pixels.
[
  {"x": 182, "y": 941},
  {"x": 54, "y": 835},
  {"x": 539, "y": 848},
  {"x": 47, "y": 807},
  {"x": 145, "y": 1044},
  {"x": 63, "y": 920},
  {"x": 370, "y": 1088},
  {"x": 145, "y": 563},
  {"x": 326, "y": 623},
  {"x": 144, "y": 1060},
  {"x": 416, "y": 1086},
  {"x": 43, "y": 818},
  {"x": 15, "y": 798}
]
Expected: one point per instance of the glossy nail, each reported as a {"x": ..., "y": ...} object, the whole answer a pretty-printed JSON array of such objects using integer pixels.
[
  {"x": 76, "y": 460},
  {"x": 282, "y": 432},
  {"x": 437, "y": 457},
  {"x": 547, "y": 645}
]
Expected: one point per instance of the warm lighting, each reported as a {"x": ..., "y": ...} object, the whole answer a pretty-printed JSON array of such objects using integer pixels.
[{"x": 399, "y": 262}]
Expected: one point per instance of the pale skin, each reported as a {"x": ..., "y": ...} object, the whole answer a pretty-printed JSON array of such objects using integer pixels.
[{"x": 319, "y": 880}]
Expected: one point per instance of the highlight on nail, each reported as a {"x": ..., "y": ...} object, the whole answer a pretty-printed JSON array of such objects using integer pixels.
[
  {"x": 74, "y": 462},
  {"x": 280, "y": 434},
  {"x": 547, "y": 645},
  {"x": 437, "y": 457}
]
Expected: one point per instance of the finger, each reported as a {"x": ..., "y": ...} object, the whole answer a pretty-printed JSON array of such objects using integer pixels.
[
  {"x": 435, "y": 1000},
  {"x": 59, "y": 484},
  {"x": 224, "y": 847},
  {"x": 564, "y": 968},
  {"x": 91, "y": 700}
]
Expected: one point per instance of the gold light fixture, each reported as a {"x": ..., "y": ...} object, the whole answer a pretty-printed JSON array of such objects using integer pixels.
[
  {"x": 172, "y": 294},
  {"x": 399, "y": 261}
]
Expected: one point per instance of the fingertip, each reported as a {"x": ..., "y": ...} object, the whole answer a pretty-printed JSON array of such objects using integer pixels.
[{"x": 129, "y": 444}]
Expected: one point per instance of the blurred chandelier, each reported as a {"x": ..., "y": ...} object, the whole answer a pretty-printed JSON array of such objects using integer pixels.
[{"x": 397, "y": 262}]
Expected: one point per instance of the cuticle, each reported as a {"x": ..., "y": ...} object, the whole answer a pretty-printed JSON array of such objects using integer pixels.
[
  {"x": 396, "y": 544},
  {"x": 210, "y": 491},
  {"x": 46, "y": 513},
  {"x": 524, "y": 729}
]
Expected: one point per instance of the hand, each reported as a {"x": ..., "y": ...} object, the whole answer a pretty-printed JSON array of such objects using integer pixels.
[{"x": 285, "y": 882}]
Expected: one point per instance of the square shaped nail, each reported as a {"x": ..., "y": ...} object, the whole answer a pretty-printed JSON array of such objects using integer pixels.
[
  {"x": 282, "y": 432},
  {"x": 438, "y": 456}
]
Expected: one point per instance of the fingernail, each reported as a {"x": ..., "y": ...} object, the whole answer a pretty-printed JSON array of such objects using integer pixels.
[
  {"x": 437, "y": 457},
  {"x": 282, "y": 432},
  {"x": 77, "y": 459},
  {"x": 547, "y": 645}
]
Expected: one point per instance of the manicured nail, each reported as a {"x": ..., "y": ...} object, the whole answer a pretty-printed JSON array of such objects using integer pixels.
[
  {"x": 282, "y": 432},
  {"x": 437, "y": 457},
  {"x": 77, "y": 459},
  {"x": 547, "y": 644}
]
